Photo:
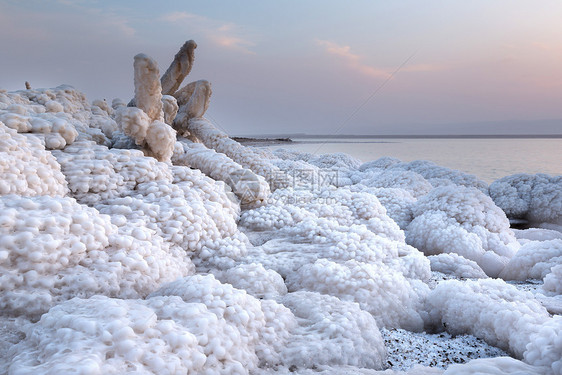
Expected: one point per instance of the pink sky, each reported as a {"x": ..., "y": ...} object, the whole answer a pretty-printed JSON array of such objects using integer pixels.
[{"x": 308, "y": 66}]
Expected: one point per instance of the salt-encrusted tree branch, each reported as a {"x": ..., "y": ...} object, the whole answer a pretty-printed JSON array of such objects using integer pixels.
[
  {"x": 222, "y": 143},
  {"x": 179, "y": 69},
  {"x": 145, "y": 123},
  {"x": 148, "y": 91},
  {"x": 249, "y": 187},
  {"x": 193, "y": 100}
]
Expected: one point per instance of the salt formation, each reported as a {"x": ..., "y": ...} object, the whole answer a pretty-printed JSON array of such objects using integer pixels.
[
  {"x": 463, "y": 221},
  {"x": 457, "y": 265},
  {"x": 204, "y": 131},
  {"x": 430, "y": 172},
  {"x": 536, "y": 234},
  {"x": 142, "y": 239},
  {"x": 145, "y": 123},
  {"x": 254, "y": 279},
  {"x": 148, "y": 91},
  {"x": 352, "y": 241},
  {"x": 95, "y": 173},
  {"x": 378, "y": 290},
  {"x": 397, "y": 201},
  {"x": 56, "y": 116},
  {"x": 159, "y": 335},
  {"x": 333, "y": 332},
  {"x": 54, "y": 249},
  {"x": 248, "y": 186},
  {"x": 398, "y": 185},
  {"x": 179, "y": 68},
  {"x": 170, "y": 108},
  {"x": 553, "y": 280},
  {"x": 160, "y": 104},
  {"x": 26, "y": 168},
  {"x": 535, "y": 198},
  {"x": 194, "y": 102},
  {"x": 502, "y": 316},
  {"x": 262, "y": 329},
  {"x": 534, "y": 260}
]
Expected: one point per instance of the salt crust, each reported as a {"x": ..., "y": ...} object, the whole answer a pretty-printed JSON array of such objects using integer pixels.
[
  {"x": 349, "y": 248},
  {"x": 220, "y": 142},
  {"x": 536, "y": 234},
  {"x": 263, "y": 326},
  {"x": 463, "y": 221},
  {"x": 331, "y": 332},
  {"x": 254, "y": 279},
  {"x": 26, "y": 169},
  {"x": 434, "y": 174},
  {"x": 137, "y": 223},
  {"x": 59, "y": 116},
  {"x": 536, "y": 198},
  {"x": 502, "y": 316},
  {"x": 553, "y": 281},
  {"x": 456, "y": 265},
  {"x": 248, "y": 186},
  {"x": 534, "y": 260},
  {"x": 55, "y": 249}
]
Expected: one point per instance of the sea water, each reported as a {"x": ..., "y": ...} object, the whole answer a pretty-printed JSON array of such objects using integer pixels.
[{"x": 487, "y": 158}]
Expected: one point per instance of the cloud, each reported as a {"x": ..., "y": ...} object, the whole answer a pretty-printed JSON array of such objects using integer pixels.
[
  {"x": 227, "y": 35},
  {"x": 352, "y": 60}
]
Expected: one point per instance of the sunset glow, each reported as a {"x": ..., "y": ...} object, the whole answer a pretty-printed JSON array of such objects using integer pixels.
[{"x": 295, "y": 66}]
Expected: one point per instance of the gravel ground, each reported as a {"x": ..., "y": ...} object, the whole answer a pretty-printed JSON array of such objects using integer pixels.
[{"x": 406, "y": 349}]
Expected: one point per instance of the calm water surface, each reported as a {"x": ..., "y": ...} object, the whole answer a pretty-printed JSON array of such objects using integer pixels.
[{"x": 487, "y": 158}]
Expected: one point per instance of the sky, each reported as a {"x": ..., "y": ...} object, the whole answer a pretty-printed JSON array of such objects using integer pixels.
[{"x": 316, "y": 67}]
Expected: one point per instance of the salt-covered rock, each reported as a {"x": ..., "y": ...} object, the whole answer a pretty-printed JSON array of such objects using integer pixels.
[
  {"x": 254, "y": 279},
  {"x": 333, "y": 332},
  {"x": 385, "y": 293},
  {"x": 179, "y": 68},
  {"x": 148, "y": 90},
  {"x": 534, "y": 260},
  {"x": 26, "y": 168},
  {"x": 220, "y": 142},
  {"x": 464, "y": 221},
  {"x": 456, "y": 265},
  {"x": 55, "y": 249},
  {"x": 536, "y": 198},
  {"x": 501, "y": 315},
  {"x": 248, "y": 186},
  {"x": 263, "y": 327}
]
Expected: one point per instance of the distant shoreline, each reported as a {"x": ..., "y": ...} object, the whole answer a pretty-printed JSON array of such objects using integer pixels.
[
  {"x": 287, "y": 138},
  {"x": 258, "y": 141},
  {"x": 274, "y": 140}
]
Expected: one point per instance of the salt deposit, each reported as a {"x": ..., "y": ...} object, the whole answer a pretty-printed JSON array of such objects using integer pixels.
[
  {"x": 141, "y": 239},
  {"x": 464, "y": 221},
  {"x": 536, "y": 198}
]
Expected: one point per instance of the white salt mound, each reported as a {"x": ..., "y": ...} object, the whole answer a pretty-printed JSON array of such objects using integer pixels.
[
  {"x": 126, "y": 247},
  {"x": 463, "y": 221},
  {"x": 534, "y": 260},
  {"x": 536, "y": 198}
]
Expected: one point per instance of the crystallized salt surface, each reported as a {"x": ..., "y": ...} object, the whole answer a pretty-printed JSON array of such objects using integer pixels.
[{"x": 142, "y": 239}]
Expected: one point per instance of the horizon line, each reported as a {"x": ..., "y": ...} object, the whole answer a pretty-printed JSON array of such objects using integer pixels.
[{"x": 306, "y": 135}]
